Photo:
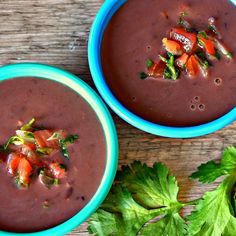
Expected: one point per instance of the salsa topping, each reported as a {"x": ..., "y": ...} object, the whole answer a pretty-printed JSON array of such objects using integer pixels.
[
  {"x": 28, "y": 154},
  {"x": 188, "y": 51}
]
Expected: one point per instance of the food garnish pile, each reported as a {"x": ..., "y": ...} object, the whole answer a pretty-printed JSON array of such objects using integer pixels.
[
  {"x": 144, "y": 201},
  {"x": 188, "y": 51},
  {"x": 28, "y": 154}
]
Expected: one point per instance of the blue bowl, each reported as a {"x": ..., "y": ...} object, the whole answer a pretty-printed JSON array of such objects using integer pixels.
[
  {"x": 81, "y": 88},
  {"x": 94, "y": 48}
]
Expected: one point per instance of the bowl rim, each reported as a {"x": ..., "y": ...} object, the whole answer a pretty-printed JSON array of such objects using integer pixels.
[
  {"x": 100, "y": 23},
  {"x": 73, "y": 82}
]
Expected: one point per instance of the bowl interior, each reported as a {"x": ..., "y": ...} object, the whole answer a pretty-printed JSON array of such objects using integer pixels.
[
  {"x": 93, "y": 100},
  {"x": 101, "y": 21}
]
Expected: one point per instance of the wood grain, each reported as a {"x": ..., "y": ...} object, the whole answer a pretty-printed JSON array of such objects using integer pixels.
[{"x": 56, "y": 32}]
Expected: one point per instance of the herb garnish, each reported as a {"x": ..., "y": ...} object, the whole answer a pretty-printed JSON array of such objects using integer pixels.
[
  {"x": 33, "y": 143},
  {"x": 171, "y": 72},
  {"x": 44, "y": 151},
  {"x": 63, "y": 142},
  {"x": 149, "y": 63},
  {"x": 143, "y": 75},
  {"x": 143, "y": 193},
  {"x": 182, "y": 46}
]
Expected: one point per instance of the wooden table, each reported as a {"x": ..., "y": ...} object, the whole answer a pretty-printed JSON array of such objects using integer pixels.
[{"x": 56, "y": 32}]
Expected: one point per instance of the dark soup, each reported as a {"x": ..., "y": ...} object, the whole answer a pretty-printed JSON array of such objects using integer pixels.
[
  {"x": 52, "y": 154},
  {"x": 173, "y": 62}
]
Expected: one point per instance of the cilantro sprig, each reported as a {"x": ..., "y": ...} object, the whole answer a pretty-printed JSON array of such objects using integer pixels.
[
  {"x": 141, "y": 193},
  {"x": 171, "y": 72},
  {"x": 215, "y": 212}
]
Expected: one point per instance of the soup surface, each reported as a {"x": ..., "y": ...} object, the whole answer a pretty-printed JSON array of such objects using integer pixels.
[
  {"x": 57, "y": 107},
  {"x": 135, "y": 34}
]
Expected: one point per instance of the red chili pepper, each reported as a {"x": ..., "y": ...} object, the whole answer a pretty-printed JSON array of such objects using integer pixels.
[{"x": 187, "y": 39}]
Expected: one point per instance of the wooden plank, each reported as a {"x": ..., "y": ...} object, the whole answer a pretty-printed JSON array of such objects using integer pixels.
[{"x": 56, "y": 32}]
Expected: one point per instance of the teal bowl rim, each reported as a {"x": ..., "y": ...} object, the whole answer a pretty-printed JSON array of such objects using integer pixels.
[
  {"x": 79, "y": 86},
  {"x": 100, "y": 23}
]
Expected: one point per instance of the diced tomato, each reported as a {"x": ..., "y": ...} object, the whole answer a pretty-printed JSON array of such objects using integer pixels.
[
  {"x": 192, "y": 66},
  {"x": 41, "y": 137},
  {"x": 13, "y": 162},
  {"x": 58, "y": 170},
  {"x": 24, "y": 171},
  {"x": 182, "y": 60},
  {"x": 35, "y": 160},
  {"x": 208, "y": 44},
  {"x": 157, "y": 69},
  {"x": 172, "y": 46},
  {"x": 187, "y": 39},
  {"x": 29, "y": 146}
]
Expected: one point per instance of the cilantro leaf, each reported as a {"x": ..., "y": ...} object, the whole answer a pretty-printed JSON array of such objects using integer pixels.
[
  {"x": 166, "y": 226},
  {"x": 230, "y": 227},
  {"x": 215, "y": 213},
  {"x": 44, "y": 151},
  {"x": 212, "y": 215},
  {"x": 140, "y": 194},
  {"x": 171, "y": 72},
  {"x": 210, "y": 171},
  {"x": 143, "y": 75},
  {"x": 70, "y": 139},
  {"x": 63, "y": 148},
  {"x": 128, "y": 217},
  {"x": 149, "y": 63},
  {"x": 152, "y": 187}
]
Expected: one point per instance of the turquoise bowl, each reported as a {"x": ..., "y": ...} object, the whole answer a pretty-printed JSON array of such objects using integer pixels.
[
  {"x": 81, "y": 88},
  {"x": 108, "y": 9}
]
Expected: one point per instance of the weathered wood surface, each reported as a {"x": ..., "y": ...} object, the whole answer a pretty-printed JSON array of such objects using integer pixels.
[{"x": 56, "y": 32}]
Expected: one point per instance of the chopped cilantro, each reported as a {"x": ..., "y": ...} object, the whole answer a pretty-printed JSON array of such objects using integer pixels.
[
  {"x": 44, "y": 151},
  {"x": 143, "y": 75},
  {"x": 217, "y": 55},
  {"x": 149, "y": 63},
  {"x": 70, "y": 139},
  {"x": 203, "y": 60},
  {"x": 64, "y": 150},
  {"x": 171, "y": 72}
]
